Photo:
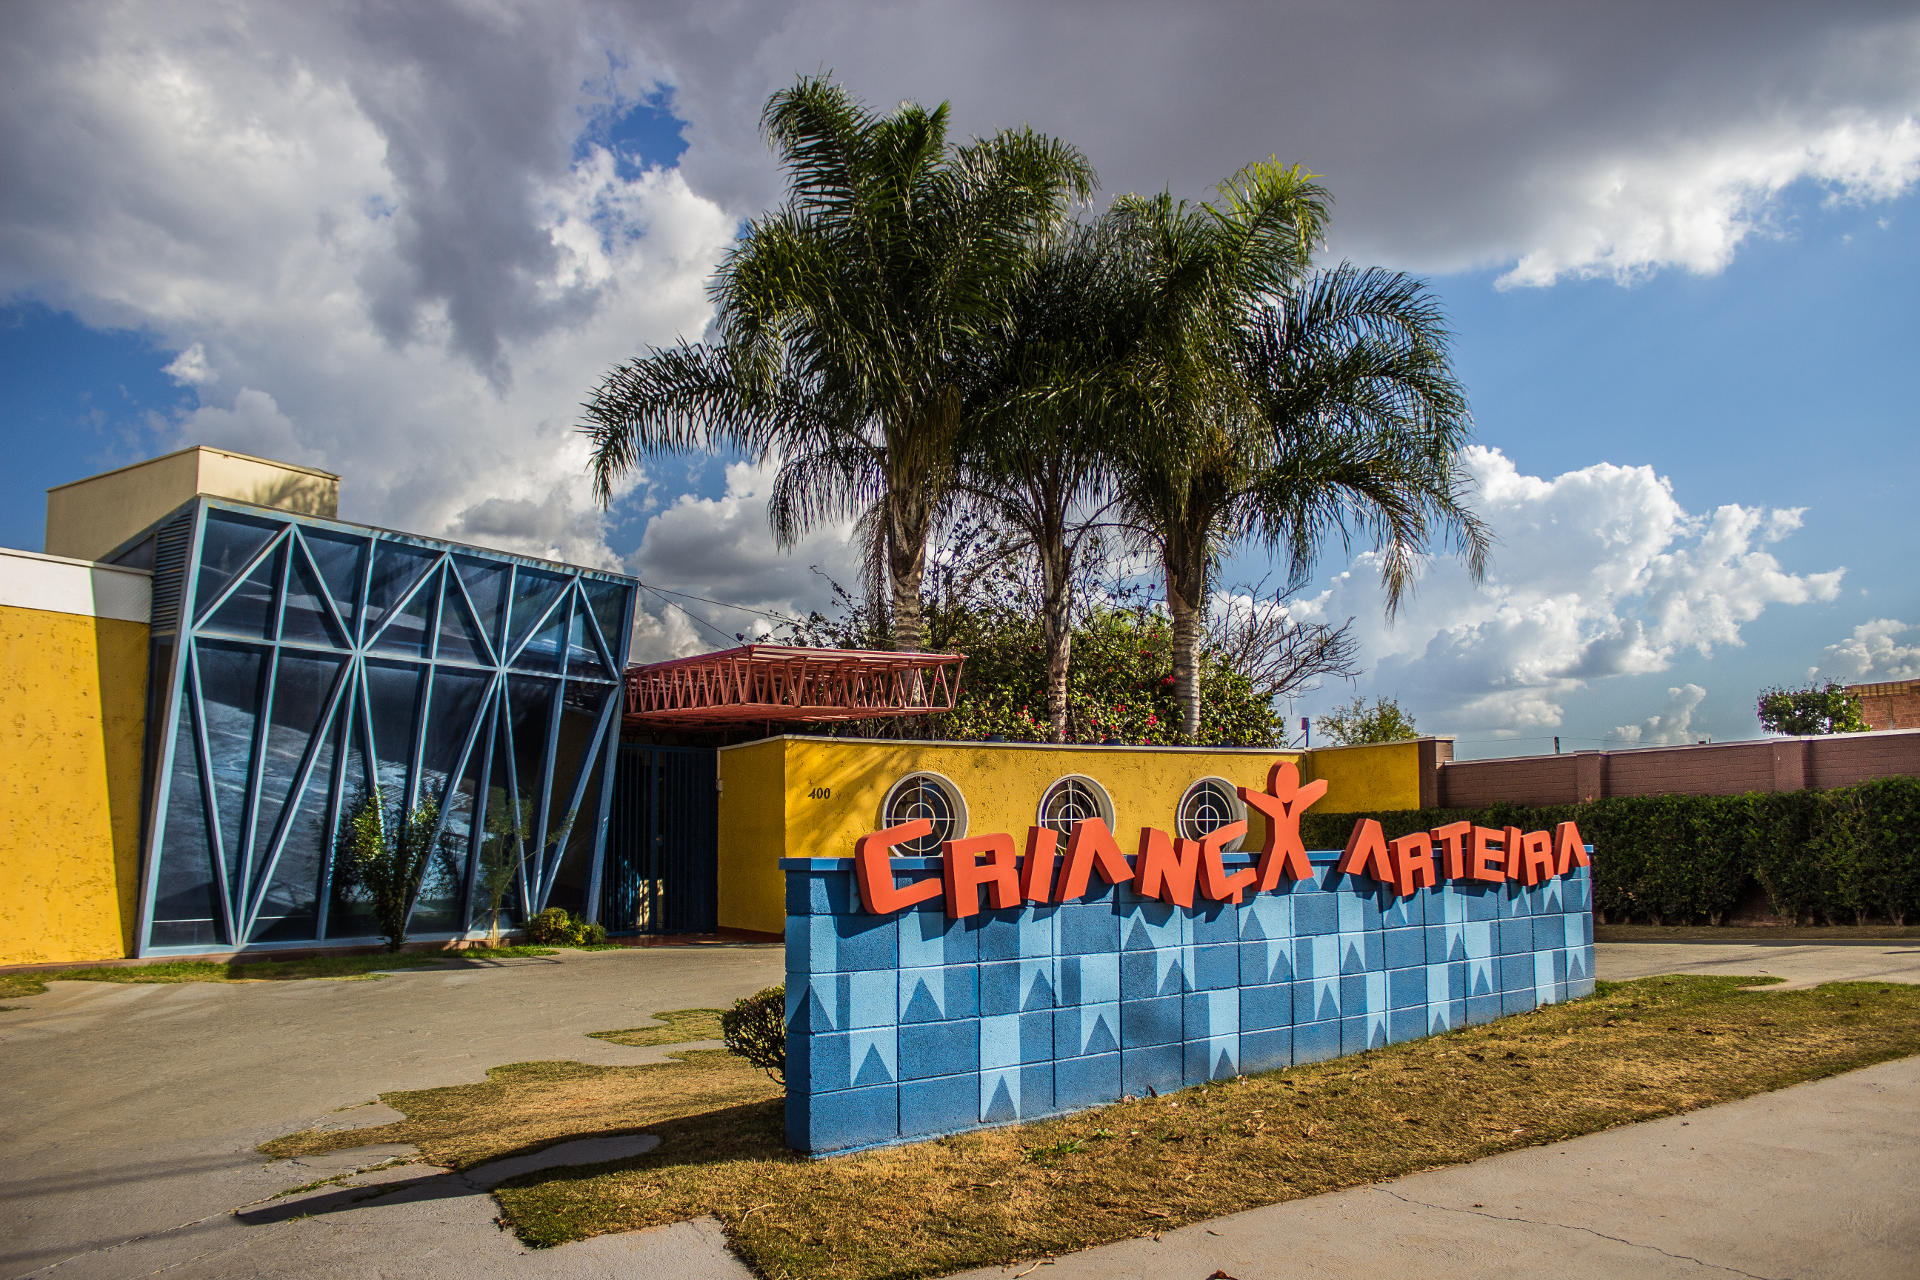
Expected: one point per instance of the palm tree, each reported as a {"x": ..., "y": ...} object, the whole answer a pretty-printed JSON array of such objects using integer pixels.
[
  {"x": 1040, "y": 413},
  {"x": 1288, "y": 404},
  {"x": 847, "y": 320}
]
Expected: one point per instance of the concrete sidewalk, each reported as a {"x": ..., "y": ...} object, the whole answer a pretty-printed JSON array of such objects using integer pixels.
[
  {"x": 1813, "y": 1181},
  {"x": 1800, "y": 964}
]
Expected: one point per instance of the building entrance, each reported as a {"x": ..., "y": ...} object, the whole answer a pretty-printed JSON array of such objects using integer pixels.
[{"x": 662, "y": 842}]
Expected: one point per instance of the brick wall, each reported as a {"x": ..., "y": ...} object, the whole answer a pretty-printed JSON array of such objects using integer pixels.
[
  {"x": 911, "y": 1025},
  {"x": 1893, "y": 704},
  {"x": 1710, "y": 769}
]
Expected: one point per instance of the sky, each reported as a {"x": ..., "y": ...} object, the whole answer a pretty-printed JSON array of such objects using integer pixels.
[{"x": 1677, "y": 245}]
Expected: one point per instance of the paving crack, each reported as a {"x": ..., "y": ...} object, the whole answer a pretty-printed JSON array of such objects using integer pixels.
[{"x": 1574, "y": 1226}]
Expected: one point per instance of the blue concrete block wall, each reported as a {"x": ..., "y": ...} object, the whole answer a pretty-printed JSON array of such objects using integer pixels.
[{"x": 912, "y": 1025}]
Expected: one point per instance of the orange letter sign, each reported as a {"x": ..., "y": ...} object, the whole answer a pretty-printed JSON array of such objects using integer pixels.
[
  {"x": 1283, "y": 802},
  {"x": 1412, "y": 857},
  {"x": 1489, "y": 856},
  {"x": 1036, "y": 869},
  {"x": 1569, "y": 850},
  {"x": 1366, "y": 852},
  {"x": 873, "y": 869},
  {"x": 1166, "y": 869},
  {"x": 1215, "y": 883},
  {"x": 1089, "y": 844},
  {"x": 1452, "y": 840},
  {"x": 1536, "y": 857},
  {"x": 965, "y": 874}
]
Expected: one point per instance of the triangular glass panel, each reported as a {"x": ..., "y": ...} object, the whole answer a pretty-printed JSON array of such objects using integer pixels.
[
  {"x": 228, "y": 545},
  {"x": 307, "y": 615},
  {"x": 548, "y": 646},
  {"x": 460, "y": 639},
  {"x": 302, "y": 688},
  {"x": 458, "y": 697},
  {"x": 186, "y": 899},
  {"x": 393, "y": 694},
  {"x": 230, "y": 692},
  {"x": 397, "y": 568},
  {"x": 584, "y": 661},
  {"x": 486, "y": 584},
  {"x": 530, "y": 707},
  {"x": 349, "y": 914},
  {"x": 290, "y": 908},
  {"x": 340, "y": 557},
  {"x": 611, "y": 603},
  {"x": 534, "y": 591},
  {"x": 409, "y": 629},
  {"x": 507, "y": 830},
  {"x": 248, "y": 612}
]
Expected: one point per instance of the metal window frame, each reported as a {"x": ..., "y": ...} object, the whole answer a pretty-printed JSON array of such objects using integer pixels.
[{"x": 242, "y": 877}]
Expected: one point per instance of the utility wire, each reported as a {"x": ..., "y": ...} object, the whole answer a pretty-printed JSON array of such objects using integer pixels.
[
  {"x": 724, "y": 604},
  {"x": 691, "y": 614}
]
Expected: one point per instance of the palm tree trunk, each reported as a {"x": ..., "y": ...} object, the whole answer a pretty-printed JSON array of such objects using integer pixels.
[
  {"x": 906, "y": 567},
  {"x": 1186, "y": 591},
  {"x": 1056, "y": 630}
]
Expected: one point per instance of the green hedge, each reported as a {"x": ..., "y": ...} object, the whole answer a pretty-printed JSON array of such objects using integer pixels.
[{"x": 1844, "y": 855}]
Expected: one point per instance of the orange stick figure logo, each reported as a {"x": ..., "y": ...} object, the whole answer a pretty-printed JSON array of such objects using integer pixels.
[{"x": 1283, "y": 803}]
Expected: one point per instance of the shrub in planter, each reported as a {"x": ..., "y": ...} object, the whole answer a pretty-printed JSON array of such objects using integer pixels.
[
  {"x": 551, "y": 928},
  {"x": 756, "y": 1029}
]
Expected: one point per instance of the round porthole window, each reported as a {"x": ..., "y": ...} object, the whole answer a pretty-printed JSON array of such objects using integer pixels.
[
  {"x": 1072, "y": 800},
  {"x": 929, "y": 796},
  {"x": 1209, "y": 804}
]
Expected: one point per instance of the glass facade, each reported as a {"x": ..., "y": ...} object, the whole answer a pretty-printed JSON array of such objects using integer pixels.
[{"x": 301, "y": 665}]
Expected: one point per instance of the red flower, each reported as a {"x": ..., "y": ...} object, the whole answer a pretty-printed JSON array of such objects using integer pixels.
[{"x": 1153, "y": 719}]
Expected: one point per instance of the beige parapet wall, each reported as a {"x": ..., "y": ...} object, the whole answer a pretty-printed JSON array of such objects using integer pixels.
[
  {"x": 89, "y": 518},
  {"x": 73, "y": 687}
]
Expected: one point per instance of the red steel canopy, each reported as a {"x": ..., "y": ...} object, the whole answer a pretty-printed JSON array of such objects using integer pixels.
[{"x": 773, "y": 682}]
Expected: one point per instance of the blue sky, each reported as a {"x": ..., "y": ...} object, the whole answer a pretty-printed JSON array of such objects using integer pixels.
[{"x": 405, "y": 244}]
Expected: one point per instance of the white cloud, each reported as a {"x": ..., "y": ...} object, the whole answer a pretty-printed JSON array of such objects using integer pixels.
[
  {"x": 1673, "y": 723},
  {"x": 1597, "y": 573},
  {"x": 721, "y": 548},
  {"x": 1874, "y": 652},
  {"x": 190, "y": 368}
]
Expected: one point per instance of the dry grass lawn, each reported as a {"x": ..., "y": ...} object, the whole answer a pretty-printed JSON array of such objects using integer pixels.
[{"x": 1632, "y": 1052}]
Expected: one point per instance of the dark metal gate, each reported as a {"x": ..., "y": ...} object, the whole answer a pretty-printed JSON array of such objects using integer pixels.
[{"x": 662, "y": 842}]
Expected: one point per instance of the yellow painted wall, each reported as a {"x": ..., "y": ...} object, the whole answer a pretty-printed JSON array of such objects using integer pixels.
[
  {"x": 753, "y": 833},
  {"x": 1381, "y": 776},
  {"x": 72, "y": 707}
]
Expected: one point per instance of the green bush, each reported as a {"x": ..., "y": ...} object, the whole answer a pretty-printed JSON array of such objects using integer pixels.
[
  {"x": 1850, "y": 853},
  {"x": 555, "y": 928},
  {"x": 756, "y": 1029}
]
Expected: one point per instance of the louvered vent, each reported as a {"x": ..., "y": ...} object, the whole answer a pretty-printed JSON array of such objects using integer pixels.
[{"x": 170, "y": 571}]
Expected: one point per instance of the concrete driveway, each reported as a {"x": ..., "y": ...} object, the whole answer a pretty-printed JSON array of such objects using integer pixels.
[{"x": 133, "y": 1113}]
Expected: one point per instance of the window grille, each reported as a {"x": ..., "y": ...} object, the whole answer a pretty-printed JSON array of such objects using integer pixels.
[
  {"x": 929, "y": 796},
  {"x": 1209, "y": 804},
  {"x": 1072, "y": 800}
]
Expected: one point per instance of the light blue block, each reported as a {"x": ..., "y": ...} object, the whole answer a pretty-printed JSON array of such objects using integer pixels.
[
  {"x": 1316, "y": 1000},
  {"x": 1266, "y": 916},
  {"x": 1265, "y": 1008},
  {"x": 1015, "y": 1039},
  {"x": 1317, "y": 956},
  {"x": 1215, "y": 1058},
  {"x": 1362, "y": 952},
  {"x": 1545, "y": 989},
  {"x": 936, "y": 995},
  {"x": 1368, "y": 1031},
  {"x": 1086, "y": 1082},
  {"x": 1215, "y": 966},
  {"x": 1483, "y": 978},
  {"x": 1015, "y": 935},
  {"x": 1359, "y": 904},
  {"x": 1151, "y": 924},
  {"x": 1086, "y": 1030},
  {"x": 1207, "y": 1014},
  {"x": 1406, "y": 1024},
  {"x": 1152, "y": 1069},
  {"x": 1404, "y": 948},
  {"x": 1266, "y": 960},
  {"x": 1451, "y": 904},
  {"x": 1088, "y": 979},
  {"x": 1147, "y": 974},
  {"x": 1151, "y": 1022},
  {"x": 837, "y": 1121},
  {"x": 1446, "y": 1015},
  {"x": 1363, "y": 993},
  {"x": 1406, "y": 987},
  {"x": 1479, "y": 936},
  {"x": 1316, "y": 1041},
  {"x": 1570, "y": 930},
  {"x": 1407, "y": 912},
  {"x": 1550, "y": 897},
  {"x": 946, "y": 1104},
  {"x": 939, "y": 1048},
  {"x": 1268, "y": 1049},
  {"x": 929, "y": 938}
]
